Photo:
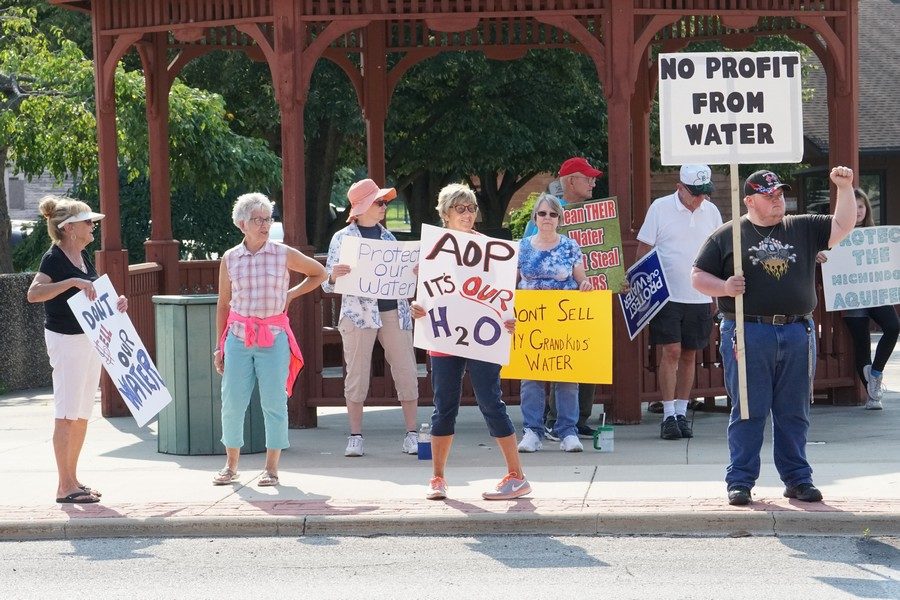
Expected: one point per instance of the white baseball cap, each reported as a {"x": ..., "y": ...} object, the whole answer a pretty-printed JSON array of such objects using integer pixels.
[{"x": 697, "y": 177}]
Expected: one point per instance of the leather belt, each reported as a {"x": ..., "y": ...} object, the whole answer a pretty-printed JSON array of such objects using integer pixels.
[{"x": 768, "y": 319}]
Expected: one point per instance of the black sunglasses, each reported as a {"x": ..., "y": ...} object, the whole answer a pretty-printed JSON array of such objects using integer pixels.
[
  {"x": 462, "y": 208},
  {"x": 544, "y": 213},
  {"x": 380, "y": 203}
]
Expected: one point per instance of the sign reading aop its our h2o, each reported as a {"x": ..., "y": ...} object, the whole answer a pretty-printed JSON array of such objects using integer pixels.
[{"x": 730, "y": 108}]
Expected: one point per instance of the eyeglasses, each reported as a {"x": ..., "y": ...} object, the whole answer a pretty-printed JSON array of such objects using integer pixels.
[
  {"x": 544, "y": 213},
  {"x": 380, "y": 203},
  {"x": 590, "y": 180},
  {"x": 260, "y": 221},
  {"x": 462, "y": 208}
]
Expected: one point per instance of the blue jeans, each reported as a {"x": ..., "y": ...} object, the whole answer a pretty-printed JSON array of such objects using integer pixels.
[
  {"x": 780, "y": 370},
  {"x": 446, "y": 381},
  {"x": 533, "y": 397},
  {"x": 243, "y": 368}
]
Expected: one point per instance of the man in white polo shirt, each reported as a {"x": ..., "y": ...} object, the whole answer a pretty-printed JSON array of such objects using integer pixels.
[{"x": 677, "y": 225}]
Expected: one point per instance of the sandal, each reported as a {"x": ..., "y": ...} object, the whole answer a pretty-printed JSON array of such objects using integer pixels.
[
  {"x": 225, "y": 476},
  {"x": 80, "y": 497},
  {"x": 268, "y": 480},
  {"x": 85, "y": 488}
]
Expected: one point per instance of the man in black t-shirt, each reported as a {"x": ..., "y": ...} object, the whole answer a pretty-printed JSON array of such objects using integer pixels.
[{"x": 778, "y": 256}]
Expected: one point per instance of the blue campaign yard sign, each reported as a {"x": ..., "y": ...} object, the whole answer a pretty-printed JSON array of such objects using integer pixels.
[{"x": 648, "y": 292}]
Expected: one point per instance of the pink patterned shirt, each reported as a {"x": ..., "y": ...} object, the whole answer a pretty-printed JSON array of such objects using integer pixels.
[{"x": 259, "y": 282}]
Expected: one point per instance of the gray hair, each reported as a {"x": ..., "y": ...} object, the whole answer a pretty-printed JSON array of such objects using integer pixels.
[
  {"x": 555, "y": 206},
  {"x": 452, "y": 195},
  {"x": 247, "y": 203}
]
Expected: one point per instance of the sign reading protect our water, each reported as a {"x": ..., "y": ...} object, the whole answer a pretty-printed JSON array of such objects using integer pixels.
[
  {"x": 121, "y": 351},
  {"x": 730, "y": 108},
  {"x": 595, "y": 226},
  {"x": 466, "y": 285},
  {"x": 378, "y": 268},
  {"x": 562, "y": 336},
  {"x": 863, "y": 270},
  {"x": 648, "y": 292}
]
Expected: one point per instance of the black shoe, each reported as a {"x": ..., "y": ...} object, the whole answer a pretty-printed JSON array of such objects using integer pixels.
[
  {"x": 684, "y": 427},
  {"x": 669, "y": 429},
  {"x": 655, "y": 407},
  {"x": 739, "y": 496},
  {"x": 805, "y": 492},
  {"x": 586, "y": 432}
]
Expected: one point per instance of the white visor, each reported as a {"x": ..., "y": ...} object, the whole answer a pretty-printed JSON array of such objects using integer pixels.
[{"x": 82, "y": 216}]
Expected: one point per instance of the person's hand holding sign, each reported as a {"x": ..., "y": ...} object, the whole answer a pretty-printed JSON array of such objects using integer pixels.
[
  {"x": 585, "y": 285},
  {"x": 339, "y": 270}
]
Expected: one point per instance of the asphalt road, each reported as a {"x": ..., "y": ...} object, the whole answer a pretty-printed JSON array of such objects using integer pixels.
[{"x": 530, "y": 567}]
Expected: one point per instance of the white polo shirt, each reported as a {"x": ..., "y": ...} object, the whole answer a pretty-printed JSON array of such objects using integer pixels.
[{"x": 678, "y": 233}]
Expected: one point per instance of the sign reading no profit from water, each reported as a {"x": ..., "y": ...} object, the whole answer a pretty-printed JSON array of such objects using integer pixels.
[{"x": 730, "y": 108}]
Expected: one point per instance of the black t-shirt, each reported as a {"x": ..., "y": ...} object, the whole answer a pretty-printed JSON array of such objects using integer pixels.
[
  {"x": 779, "y": 263},
  {"x": 374, "y": 233},
  {"x": 57, "y": 266}
]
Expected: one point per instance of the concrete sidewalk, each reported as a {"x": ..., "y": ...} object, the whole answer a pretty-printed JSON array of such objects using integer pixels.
[{"x": 647, "y": 486}]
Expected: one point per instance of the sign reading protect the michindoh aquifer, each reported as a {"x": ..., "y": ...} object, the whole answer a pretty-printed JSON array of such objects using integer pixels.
[
  {"x": 466, "y": 285},
  {"x": 595, "y": 226},
  {"x": 863, "y": 270},
  {"x": 121, "y": 351},
  {"x": 562, "y": 336}
]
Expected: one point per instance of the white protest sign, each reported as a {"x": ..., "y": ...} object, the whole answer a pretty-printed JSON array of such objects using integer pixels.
[
  {"x": 121, "y": 351},
  {"x": 730, "y": 108},
  {"x": 378, "y": 268},
  {"x": 466, "y": 285},
  {"x": 863, "y": 270}
]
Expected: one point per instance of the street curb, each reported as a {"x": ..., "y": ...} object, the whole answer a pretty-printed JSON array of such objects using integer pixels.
[{"x": 708, "y": 524}]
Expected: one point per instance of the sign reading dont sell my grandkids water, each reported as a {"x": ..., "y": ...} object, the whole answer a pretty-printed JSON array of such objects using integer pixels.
[{"x": 121, "y": 351}]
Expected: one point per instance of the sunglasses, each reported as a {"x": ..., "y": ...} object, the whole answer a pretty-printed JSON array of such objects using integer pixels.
[
  {"x": 462, "y": 208},
  {"x": 544, "y": 213},
  {"x": 380, "y": 203}
]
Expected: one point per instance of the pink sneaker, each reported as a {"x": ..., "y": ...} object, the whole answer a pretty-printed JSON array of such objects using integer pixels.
[
  {"x": 510, "y": 487},
  {"x": 437, "y": 489}
]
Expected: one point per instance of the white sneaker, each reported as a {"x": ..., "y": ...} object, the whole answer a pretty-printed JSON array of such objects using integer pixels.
[
  {"x": 571, "y": 443},
  {"x": 873, "y": 385},
  {"x": 411, "y": 443},
  {"x": 873, "y": 404},
  {"x": 530, "y": 442},
  {"x": 354, "y": 446}
]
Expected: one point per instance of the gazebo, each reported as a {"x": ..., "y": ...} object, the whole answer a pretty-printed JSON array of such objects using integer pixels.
[{"x": 358, "y": 36}]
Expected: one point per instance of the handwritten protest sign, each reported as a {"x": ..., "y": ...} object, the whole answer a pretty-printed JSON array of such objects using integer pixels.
[
  {"x": 863, "y": 270},
  {"x": 647, "y": 293},
  {"x": 562, "y": 336},
  {"x": 466, "y": 285},
  {"x": 595, "y": 226},
  {"x": 378, "y": 268},
  {"x": 730, "y": 108},
  {"x": 121, "y": 351}
]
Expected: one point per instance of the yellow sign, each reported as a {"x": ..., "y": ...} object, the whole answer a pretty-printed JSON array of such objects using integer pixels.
[{"x": 562, "y": 336}]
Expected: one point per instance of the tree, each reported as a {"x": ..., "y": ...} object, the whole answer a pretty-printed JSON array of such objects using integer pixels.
[
  {"x": 494, "y": 123},
  {"x": 47, "y": 123}
]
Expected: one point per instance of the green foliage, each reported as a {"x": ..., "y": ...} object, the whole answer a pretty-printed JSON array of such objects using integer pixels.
[{"x": 519, "y": 218}]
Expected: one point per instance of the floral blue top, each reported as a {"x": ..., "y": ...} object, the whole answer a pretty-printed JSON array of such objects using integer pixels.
[
  {"x": 362, "y": 311},
  {"x": 548, "y": 269}
]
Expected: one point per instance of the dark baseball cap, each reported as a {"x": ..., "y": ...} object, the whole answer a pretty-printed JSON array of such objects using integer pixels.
[{"x": 763, "y": 182}]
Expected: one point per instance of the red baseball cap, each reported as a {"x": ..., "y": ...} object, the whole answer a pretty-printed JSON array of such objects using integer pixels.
[{"x": 578, "y": 165}]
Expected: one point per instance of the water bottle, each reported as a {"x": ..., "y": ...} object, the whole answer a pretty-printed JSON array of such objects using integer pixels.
[{"x": 424, "y": 450}]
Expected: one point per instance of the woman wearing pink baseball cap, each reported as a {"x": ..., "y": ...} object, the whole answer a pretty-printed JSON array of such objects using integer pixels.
[{"x": 363, "y": 320}]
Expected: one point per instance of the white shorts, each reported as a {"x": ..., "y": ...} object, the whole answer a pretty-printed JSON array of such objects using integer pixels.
[{"x": 76, "y": 374}]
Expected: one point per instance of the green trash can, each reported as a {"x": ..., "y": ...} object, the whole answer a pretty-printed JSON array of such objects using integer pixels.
[{"x": 185, "y": 341}]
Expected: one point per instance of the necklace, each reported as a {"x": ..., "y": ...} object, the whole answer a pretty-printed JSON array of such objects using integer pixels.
[{"x": 768, "y": 236}]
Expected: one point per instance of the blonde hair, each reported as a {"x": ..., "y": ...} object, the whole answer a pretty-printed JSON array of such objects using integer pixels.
[
  {"x": 57, "y": 209},
  {"x": 452, "y": 195}
]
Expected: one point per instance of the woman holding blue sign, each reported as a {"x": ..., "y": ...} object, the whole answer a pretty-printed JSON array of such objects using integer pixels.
[
  {"x": 458, "y": 208},
  {"x": 65, "y": 270},
  {"x": 870, "y": 370},
  {"x": 362, "y": 320},
  {"x": 256, "y": 343},
  {"x": 550, "y": 261}
]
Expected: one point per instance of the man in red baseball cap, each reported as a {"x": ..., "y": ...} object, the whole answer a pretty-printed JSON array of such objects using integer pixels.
[{"x": 578, "y": 179}]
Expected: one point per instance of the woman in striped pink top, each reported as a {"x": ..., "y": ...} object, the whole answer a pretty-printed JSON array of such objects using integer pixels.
[{"x": 256, "y": 343}]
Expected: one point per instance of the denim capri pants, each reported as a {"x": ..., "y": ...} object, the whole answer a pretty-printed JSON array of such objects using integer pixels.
[{"x": 446, "y": 379}]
